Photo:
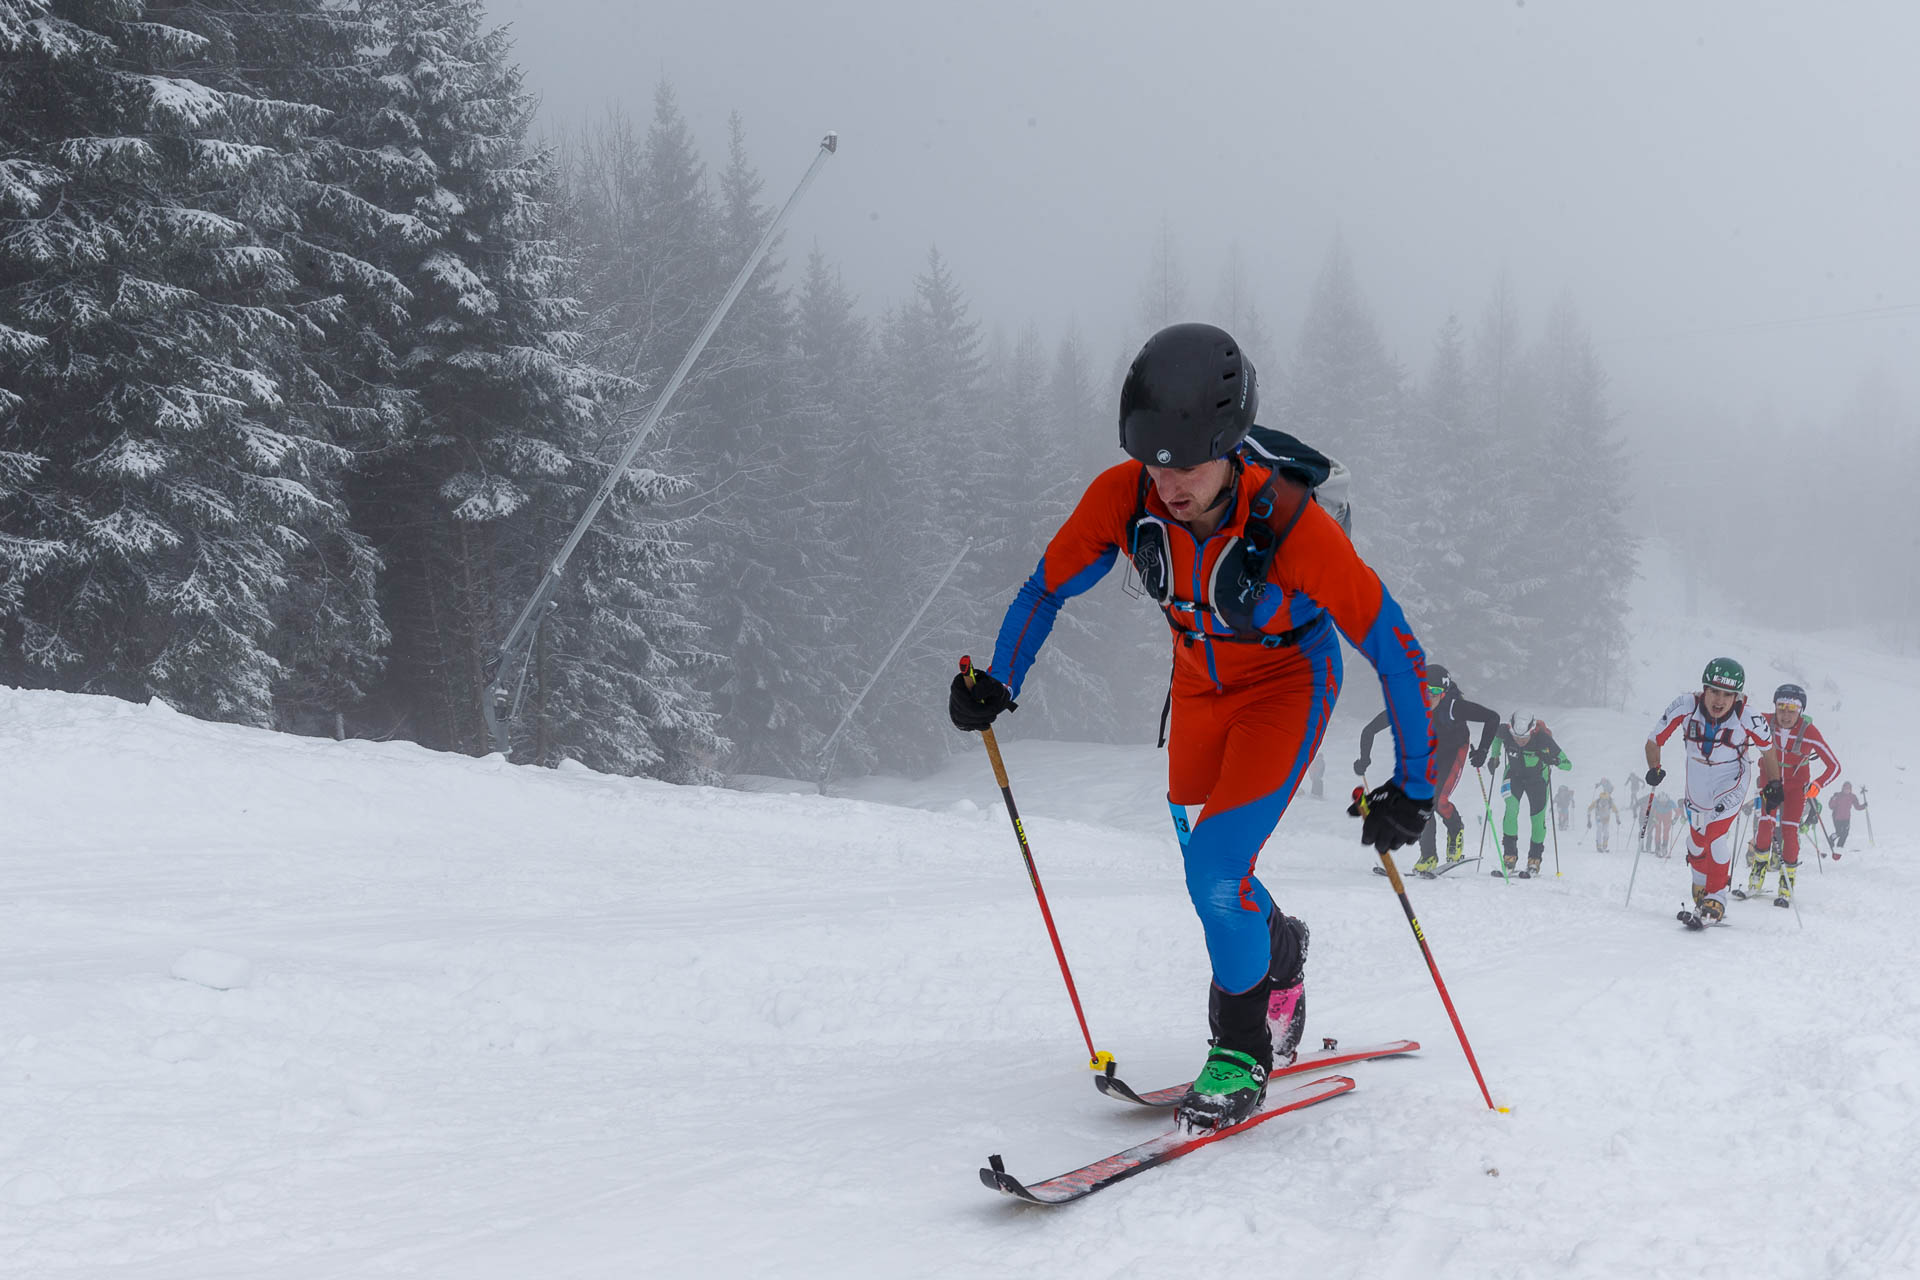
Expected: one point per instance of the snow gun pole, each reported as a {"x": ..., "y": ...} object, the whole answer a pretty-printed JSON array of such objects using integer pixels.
[
  {"x": 826, "y": 761},
  {"x": 1406, "y": 905},
  {"x": 1645, "y": 818},
  {"x": 536, "y": 606},
  {"x": 1097, "y": 1059}
]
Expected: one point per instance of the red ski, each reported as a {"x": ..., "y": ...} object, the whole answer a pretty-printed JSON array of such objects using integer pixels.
[{"x": 1170, "y": 1145}]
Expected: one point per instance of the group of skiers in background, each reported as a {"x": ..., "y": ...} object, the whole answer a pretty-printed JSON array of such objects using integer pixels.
[
  {"x": 1530, "y": 752},
  {"x": 1722, "y": 740}
]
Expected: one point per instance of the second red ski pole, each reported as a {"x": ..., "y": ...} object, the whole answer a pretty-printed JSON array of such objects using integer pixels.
[{"x": 1406, "y": 904}]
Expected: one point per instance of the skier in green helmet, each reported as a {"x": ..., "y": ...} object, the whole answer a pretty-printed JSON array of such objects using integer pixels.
[{"x": 1720, "y": 736}]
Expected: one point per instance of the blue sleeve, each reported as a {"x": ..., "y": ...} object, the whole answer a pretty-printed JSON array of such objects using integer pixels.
[
  {"x": 1030, "y": 618},
  {"x": 1401, "y": 664}
]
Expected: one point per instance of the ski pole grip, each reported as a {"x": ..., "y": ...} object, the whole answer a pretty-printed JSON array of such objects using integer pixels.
[{"x": 966, "y": 669}]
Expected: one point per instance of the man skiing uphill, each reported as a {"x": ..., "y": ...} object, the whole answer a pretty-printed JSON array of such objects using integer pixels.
[
  {"x": 1453, "y": 718},
  {"x": 1603, "y": 815},
  {"x": 1531, "y": 752},
  {"x": 1796, "y": 745},
  {"x": 1842, "y": 807},
  {"x": 1719, "y": 736},
  {"x": 1665, "y": 810},
  {"x": 1563, "y": 804},
  {"x": 1254, "y": 577}
]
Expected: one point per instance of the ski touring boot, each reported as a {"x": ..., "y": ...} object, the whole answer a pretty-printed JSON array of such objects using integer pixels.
[
  {"x": 1427, "y": 864},
  {"x": 1233, "y": 1083},
  {"x": 1287, "y": 985},
  {"x": 1785, "y": 891},
  {"x": 1228, "y": 1090},
  {"x": 1705, "y": 910},
  {"x": 1534, "y": 853},
  {"x": 1456, "y": 847},
  {"x": 1509, "y": 856},
  {"x": 1759, "y": 864}
]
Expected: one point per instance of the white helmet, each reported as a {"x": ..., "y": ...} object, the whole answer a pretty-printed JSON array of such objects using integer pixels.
[{"x": 1522, "y": 725}]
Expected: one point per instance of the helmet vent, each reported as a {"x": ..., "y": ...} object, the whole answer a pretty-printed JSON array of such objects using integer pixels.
[{"x": 1226, "y": 401}]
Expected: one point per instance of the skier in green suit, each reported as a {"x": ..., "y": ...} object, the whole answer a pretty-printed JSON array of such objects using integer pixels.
[{"x": 1531, "y": 752}]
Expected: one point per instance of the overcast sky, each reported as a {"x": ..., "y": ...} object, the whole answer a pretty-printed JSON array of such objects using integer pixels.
[{"x": 1680, "y": 165}]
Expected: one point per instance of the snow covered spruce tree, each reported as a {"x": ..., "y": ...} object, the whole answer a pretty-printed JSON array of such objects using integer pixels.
[
  {"x": 1590, "y": 550},
  {"x": 173, "y": 464},
  {"x": 506, "y": 446},
  {"x": 931, "y": 405},
  {"x": 1344, "y": 395},
  {"x": 837, "y": 422},
  {"x": 1506, "y": 410},
  {"x": 1034, "y": 431},
  {"x": 1456, "y": 530}
]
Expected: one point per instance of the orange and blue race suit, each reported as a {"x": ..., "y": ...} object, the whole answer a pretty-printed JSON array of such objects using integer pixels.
[{"x": 1249, "y": 705}]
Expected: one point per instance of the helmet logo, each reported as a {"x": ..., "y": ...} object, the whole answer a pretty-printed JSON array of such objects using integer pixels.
[{"x": 1164, "y": 457}]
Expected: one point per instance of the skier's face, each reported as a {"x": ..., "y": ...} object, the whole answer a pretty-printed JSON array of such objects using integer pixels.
[
  {"x": 1719, "y": 701},
  {"x": 1435, "y": 692},
  {"x": 1190, "y": 491},
  {"x": 1787, "y": 713}
]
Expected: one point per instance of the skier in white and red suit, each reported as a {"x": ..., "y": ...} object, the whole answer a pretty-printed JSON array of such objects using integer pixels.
[
  {"x": 1797, "y": 744},
  {"x": 1719, "y": 735}
]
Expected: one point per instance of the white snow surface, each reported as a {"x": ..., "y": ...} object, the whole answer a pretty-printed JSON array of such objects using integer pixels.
[{"x": 503, "y": 1023}]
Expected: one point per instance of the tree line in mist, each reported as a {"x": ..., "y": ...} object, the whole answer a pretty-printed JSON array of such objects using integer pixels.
[{"x": 310, "y": 356}]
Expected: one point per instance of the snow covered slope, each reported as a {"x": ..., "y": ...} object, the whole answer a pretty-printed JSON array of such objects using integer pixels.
[{"x": 277, "y": 1006}]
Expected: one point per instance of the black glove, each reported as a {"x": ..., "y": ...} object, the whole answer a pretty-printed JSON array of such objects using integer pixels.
[
  {"x": 1476, "y": 758},
  {"x": 1655, "y": 776},
  {"x": 973, "y": 708},
  {"x": 1771, "y": 795},
  {"x": 1360, "y": 767},
  {"x": 1389, "y": 817}
]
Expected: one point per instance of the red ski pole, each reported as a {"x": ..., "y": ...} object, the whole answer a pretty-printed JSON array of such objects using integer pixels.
[
  {"x": 1099, "y": 1060},
  {"x": 1400, "y": 888}
]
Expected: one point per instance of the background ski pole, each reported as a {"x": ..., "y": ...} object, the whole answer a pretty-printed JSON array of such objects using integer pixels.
[
  {"x": 1868, "y": 815},
  {"x": 1400, "y": 889},
  {"x": 1486, "y": 819},
  {"x": 1098, "y": 1060},
  {"x": 1644, "y": 820},
  {"x": 1486, "y": 824},
  {"x": 1553, "y": 824}
]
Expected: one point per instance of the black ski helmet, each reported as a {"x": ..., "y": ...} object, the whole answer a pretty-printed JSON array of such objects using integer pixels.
[
  {"x": 1189, "y": 397},
  {"x": 1438, "y": 676},
  {"x": 1791, "y": 693}
]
